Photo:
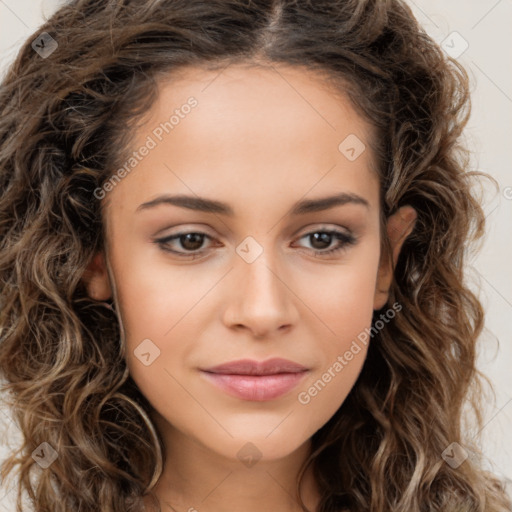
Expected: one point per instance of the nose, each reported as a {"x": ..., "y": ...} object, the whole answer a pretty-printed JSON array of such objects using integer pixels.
[{"x": 263, "y": 301}]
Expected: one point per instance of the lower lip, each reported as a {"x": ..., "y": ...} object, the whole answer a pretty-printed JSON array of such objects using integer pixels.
[{"x": 257, "y": 388}]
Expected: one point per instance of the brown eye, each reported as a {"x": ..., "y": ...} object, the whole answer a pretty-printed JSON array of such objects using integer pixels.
[
  {"x": 189, "y": 242},
  {"x": 320, "y": 240}
]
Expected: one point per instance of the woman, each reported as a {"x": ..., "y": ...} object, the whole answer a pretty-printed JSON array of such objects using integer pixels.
[{"x": 233, "y": 237}]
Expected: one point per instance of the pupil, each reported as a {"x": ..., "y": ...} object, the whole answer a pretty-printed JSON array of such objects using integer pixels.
[
  {"x": 190, "y": 237},
  {"x": 322, "y": 237}
]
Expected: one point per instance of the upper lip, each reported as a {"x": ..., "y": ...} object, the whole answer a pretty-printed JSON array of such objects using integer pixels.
[{"x": 250, "y": 367}]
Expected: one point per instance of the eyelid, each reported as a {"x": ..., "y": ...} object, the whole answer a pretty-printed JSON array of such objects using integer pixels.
[
  {"x": 311, "y": 228},
  {"x": 183, "y": 229}
]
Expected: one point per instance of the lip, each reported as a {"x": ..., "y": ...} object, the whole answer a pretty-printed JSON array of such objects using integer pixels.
[
  {"x": 251, "y": 367},
  {"x": 256, "y": 381}
]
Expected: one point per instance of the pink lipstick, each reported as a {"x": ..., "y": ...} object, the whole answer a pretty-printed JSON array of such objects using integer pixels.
[{"x": 256, "y": 381}]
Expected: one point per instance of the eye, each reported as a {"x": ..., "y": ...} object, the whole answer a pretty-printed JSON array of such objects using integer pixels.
[
  {"x": 191, "y": 242},
  {"x": 321, "y": 239}
]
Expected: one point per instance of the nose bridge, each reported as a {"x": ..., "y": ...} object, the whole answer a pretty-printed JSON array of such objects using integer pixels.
[{"x": 263, "y": 302}]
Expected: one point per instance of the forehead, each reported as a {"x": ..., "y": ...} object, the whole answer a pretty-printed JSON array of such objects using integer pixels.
[
  {"x": 293, "y": 102},
  {"x": 252, "y": 129}
]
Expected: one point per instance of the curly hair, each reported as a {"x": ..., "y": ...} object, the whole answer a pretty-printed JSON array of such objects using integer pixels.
[{"x": 66, "y": 124}]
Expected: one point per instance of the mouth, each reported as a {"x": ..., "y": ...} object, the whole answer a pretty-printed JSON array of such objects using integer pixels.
[
  {"x": 256, "y": 381},
  {"x": 251, "y": 367}
]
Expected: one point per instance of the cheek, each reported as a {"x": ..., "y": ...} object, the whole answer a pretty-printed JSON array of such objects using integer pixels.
[
  {"x": 156, "y": 306},
  {"x": 154, "y": 298},
  {"x": 166, "y": 316},
  {"x": 343, "y": 301},
  {"x": 342, "y": 357},
  {"x": 342, "y": 297}
]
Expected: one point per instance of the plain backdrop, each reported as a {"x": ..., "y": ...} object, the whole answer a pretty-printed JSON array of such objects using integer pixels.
[{"x": 478, "y": 34}]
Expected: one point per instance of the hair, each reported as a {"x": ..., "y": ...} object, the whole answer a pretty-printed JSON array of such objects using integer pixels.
[{"x": 66, "y": 124}]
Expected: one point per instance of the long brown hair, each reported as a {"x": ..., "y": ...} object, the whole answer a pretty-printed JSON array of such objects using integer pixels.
[{"x": 67, "y": 119}]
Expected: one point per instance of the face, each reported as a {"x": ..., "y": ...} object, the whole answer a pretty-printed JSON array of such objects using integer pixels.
[{"x": 266, "y": 271}]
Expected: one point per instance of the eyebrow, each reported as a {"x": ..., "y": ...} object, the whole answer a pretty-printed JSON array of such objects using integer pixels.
[{"x": 211, "y": 206}]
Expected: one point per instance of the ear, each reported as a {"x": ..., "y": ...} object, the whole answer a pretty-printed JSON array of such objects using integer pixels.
[
  {"x": 96, "y": 278},
  {"x": 399, "y": 227}
]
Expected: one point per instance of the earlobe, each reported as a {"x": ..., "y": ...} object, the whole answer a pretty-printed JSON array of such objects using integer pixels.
[
  {"x": 96, "y": 278},
  {"x": 399, "y": 227}
]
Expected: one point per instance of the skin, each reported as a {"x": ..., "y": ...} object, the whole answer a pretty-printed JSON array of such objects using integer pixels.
[{"x": 260, "y": 139}]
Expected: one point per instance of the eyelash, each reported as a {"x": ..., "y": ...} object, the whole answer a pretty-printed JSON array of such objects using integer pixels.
[{"x": 347, "y": 239}]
